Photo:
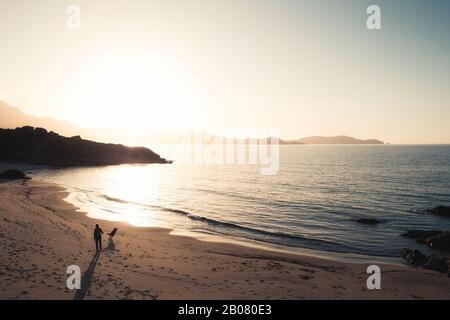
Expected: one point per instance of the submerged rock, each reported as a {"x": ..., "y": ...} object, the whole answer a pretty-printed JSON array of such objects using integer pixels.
[
  {"x": 368, "y": 221},
  {"x": 443, "y": 211},
  {"x": 13, "y": 175}
]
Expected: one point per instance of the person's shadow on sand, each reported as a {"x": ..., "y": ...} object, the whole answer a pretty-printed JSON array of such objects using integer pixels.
[{"x": 86, "y": 280}]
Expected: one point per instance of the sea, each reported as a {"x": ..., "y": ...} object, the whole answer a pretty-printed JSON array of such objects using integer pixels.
[{"x": 312, "y": 202}]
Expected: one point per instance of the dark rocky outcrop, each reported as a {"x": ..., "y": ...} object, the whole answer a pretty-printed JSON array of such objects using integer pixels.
[
  {"x": 37, "y": 146},
  {"x": 421, "y": 235},
  {"x": 442, "y": 211},
  {"x": 436, "y": 263},
  {"x": 368, "y": 221},
  {"x": 435, "y": 239},
  {"x": 440, "y": 241},
  {"x": 432, "y": 262},
  {"x": 13, "y": 175}
]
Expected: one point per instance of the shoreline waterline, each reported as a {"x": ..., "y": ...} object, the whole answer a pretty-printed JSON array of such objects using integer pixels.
[{"x": 251, "y": 243}]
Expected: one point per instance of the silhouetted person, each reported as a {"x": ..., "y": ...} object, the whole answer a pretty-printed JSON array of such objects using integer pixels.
[{"x": 98, "y": 237}]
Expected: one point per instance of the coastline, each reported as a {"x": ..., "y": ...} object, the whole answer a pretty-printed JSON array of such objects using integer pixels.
[
  {"x": 296, "y": 251},
  {"x": 251, "y": 243},
  {"x": 41, "y": 235}
]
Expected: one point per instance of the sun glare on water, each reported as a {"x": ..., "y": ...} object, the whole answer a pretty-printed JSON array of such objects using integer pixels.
[{"x": 125, "y": 201}]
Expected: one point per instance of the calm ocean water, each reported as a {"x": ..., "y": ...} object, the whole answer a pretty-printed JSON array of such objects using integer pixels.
[{"x": 312, "y": 202}]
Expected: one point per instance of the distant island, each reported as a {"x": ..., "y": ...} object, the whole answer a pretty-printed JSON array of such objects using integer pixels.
[
  {"x": 206, "y": 138},
  {"x": 331, "y": 140},
  {"x": 38, "y": 146}
]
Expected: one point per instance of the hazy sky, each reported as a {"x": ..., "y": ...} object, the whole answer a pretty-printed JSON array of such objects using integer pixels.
[{"x": 303, "y": 67}]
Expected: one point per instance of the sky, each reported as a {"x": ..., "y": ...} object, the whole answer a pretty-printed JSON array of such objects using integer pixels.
[{"x": 300, "y": 67}]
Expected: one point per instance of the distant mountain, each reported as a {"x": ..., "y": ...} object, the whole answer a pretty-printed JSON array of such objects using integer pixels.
[
  {"x": 337, "y": 140},
  {"x": 38, "y": 146},
  {"x": 11, "y": 117},
  {"x": 314, "y": 140}
]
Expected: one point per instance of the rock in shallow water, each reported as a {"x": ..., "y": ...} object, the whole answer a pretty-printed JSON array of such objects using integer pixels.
[
  {"x": 443, "y": 211},
  {"x": 368, "y": 221},
  {"x": 435, "y": 239},
  {"x": 421, "y": 235}
]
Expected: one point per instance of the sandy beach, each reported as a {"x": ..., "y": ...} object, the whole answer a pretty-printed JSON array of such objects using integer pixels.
[{"x": 41, "y": 235}]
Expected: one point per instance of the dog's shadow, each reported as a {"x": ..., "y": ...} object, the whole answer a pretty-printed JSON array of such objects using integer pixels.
[{"x": 111, "y": 246}]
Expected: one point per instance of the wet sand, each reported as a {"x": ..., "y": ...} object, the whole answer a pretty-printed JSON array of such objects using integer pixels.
[{"x": 41, "y": 235}]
